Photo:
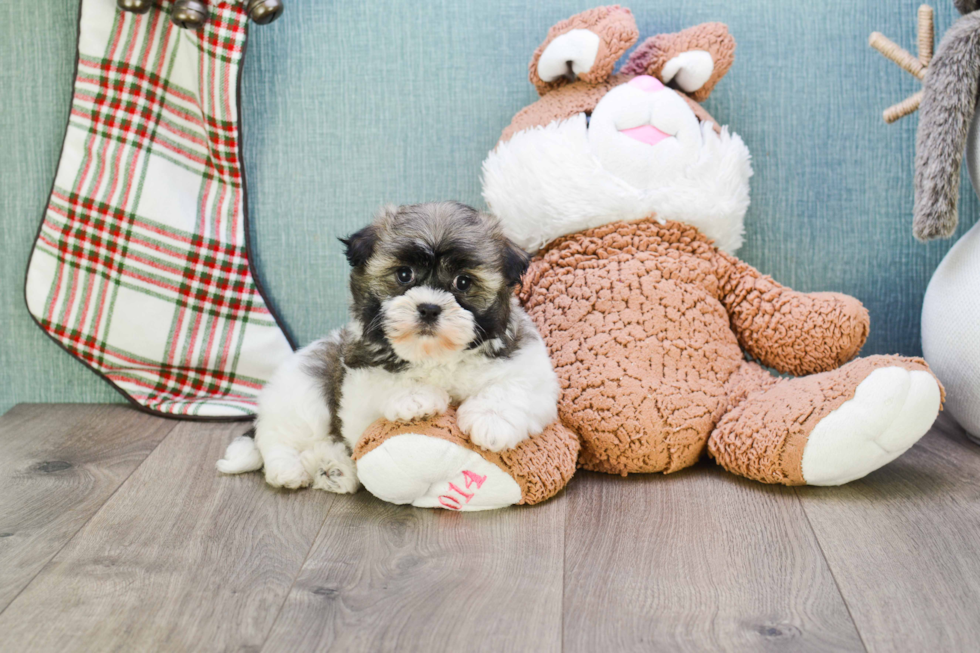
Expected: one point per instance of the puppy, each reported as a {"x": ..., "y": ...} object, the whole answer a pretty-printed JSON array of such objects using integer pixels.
[{"x": 434, "y": 322}]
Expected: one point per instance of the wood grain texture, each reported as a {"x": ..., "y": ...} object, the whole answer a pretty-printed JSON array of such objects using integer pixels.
[
  {"x": 698, "y": 560},
  {"x": 904, "y": 545},
  {"x": 418, "y": 93},
  {"x": 179, "y": 559},
  {"x": 58, "y": 465},
  {"x": 393, "y": 578}
]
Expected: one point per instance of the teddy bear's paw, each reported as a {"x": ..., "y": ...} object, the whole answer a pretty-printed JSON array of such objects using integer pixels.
[
  {"x": 417, "y": 402},
  {"x": 891, "y": 409},
  {"x": 331, "y": 468},
  {"x": 492, "y": 426},
  {"x": 430, "y": 472}
]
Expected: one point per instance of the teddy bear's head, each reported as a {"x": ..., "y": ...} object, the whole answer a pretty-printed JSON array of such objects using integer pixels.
[{"x": 599, "y": 147}]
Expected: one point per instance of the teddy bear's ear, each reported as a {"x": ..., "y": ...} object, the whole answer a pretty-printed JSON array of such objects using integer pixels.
[
  {"x": 585, "y": 46},
  {"x": 693, "y": 60}
]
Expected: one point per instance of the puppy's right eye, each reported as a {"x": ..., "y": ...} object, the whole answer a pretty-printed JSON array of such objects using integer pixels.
[{"x": 405, "y": 275}]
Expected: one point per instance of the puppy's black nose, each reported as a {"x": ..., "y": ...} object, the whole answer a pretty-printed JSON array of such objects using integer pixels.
[{"x": 429, "y": 313}]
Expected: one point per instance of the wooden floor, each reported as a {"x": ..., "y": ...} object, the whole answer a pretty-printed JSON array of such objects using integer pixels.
[{"x": 117, "y": 534}]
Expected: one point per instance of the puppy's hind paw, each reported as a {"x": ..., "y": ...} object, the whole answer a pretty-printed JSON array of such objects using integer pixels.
[
  {"x": 287, "y": 472},
  {"x": 336, "y": 479},
  {"x": 331, "y": 468}
]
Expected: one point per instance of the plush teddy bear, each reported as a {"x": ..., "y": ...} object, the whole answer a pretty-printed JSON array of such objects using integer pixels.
[{"x": 633, "y": 198}]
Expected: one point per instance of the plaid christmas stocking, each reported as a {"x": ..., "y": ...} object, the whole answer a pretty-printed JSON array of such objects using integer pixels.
[{"x": 141, "y": 264}]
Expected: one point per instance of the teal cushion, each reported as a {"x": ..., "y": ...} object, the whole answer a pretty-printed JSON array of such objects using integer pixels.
[{"x": 348, "y": 105}]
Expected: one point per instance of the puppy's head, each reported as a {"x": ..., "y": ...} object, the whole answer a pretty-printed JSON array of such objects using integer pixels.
[{"x": 431, "y": 280}]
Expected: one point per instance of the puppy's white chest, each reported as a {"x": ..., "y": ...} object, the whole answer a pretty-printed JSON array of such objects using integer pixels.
[{"x": 366, "y": 390}]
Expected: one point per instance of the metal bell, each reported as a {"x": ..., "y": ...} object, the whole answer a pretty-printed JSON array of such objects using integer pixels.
[
  {"x": 264, "y": 12},
  {"x": 135, "y": 6},
  {"x": 189, "y": 14}
]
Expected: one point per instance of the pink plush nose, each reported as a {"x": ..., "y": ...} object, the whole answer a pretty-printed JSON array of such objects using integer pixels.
[{"x": 647, "y": 83}]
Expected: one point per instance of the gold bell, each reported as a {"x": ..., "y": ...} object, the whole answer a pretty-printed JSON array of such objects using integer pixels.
[
  {"x": 135, "y": 6},
  {"x": 189, "y": 14},
  {"x": 264, "y": 12}
]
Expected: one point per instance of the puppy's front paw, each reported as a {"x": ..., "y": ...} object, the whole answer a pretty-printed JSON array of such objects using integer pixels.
[
  {"x": 492, "y": 426},
  {"x": 286, "y": 471},
  {"x": 331, "y": 468},
  {"x": 416, "y": 402}
]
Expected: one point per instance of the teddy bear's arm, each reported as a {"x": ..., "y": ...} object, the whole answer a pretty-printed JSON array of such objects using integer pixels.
[{"x": 793, "y": 332}]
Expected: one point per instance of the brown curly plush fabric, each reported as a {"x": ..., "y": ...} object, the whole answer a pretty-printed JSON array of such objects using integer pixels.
[
  {"x": 792, "y": 332},
  {"x": 541, "y": 465},
  {"x": 617, "y": 33},
  {"x": 567, "y": 101},
  {"x": 654, "y": 53},
  {"x": 763, "y": 437},
  {"x": 579, "y": 97},
  {"x": 644, "y": 323},
  {"x": 649, "y": 325}
]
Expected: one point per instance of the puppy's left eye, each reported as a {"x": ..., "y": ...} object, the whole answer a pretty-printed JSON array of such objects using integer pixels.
[{"x": 462, "y": 283}]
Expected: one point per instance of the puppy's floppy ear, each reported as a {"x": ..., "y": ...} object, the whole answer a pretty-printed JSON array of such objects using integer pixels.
[
  {"x": 360, "y": 245},
  {"x": 515, "y": 263}
]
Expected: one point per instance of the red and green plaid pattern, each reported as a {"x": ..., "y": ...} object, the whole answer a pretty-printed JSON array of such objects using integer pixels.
[{"x": 140, "y": 268}]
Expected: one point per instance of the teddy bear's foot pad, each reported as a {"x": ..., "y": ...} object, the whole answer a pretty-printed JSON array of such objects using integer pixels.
[
  {"x": 430, "y": 472},
  {"x": 891, "y": 409}
]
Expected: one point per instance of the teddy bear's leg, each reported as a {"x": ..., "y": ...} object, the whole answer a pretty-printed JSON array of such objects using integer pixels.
[
  {"x": 632, "y": 422},
  {"x": 430, "y": 464},
  {"x": 829, "y": 428}
]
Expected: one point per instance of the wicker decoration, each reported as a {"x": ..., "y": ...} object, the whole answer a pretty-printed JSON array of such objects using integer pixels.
[{"x": 917, "y": 66}]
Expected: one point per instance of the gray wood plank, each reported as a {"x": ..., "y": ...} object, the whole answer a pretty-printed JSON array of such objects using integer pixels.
[
  {"x": 904, "y": 545},
  {"x": 394, "y": 578},
  {"x": 179, "y": 559},
  {"x": 698, "y": 560},
  {"x": 58, "y": 465}
]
